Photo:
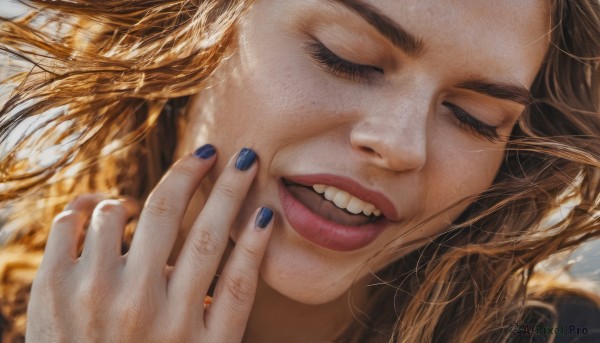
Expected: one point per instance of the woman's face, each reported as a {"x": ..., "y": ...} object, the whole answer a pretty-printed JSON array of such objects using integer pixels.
[{"x": 397, "y": 107}]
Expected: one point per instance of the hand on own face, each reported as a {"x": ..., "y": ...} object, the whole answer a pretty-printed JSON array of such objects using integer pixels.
[{"x": 137, "y": 297}]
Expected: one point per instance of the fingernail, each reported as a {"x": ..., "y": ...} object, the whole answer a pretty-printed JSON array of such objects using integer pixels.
[
  {"x": 245, "y": 159},
  {"x": 205, "y": 152},
  {"x": 263, "y": 217}
]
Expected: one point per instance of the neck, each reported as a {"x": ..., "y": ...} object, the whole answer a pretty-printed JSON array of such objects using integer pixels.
[{"x": 277, "y": 318}]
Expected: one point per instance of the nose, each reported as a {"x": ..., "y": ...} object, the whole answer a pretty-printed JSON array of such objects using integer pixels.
[{"x": 393, "y": 141}]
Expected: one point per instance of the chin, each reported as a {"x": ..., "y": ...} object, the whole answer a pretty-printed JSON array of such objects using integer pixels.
[{"x": 302, "y": 277}]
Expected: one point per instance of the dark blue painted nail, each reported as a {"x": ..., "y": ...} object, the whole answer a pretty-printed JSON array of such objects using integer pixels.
[
  {"x": 245, "y": 159},
  {"x": 263, "y": 217},
  {"x": 205, "y": 152}
]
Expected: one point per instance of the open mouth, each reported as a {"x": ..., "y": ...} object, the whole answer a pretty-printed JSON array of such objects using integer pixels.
[{"x": 337, "y": 207}]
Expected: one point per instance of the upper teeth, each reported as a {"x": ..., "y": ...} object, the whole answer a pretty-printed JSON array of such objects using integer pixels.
[{"x": 346, "y": 201}]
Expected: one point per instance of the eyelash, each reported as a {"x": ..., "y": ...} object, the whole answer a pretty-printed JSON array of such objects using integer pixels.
[
  {"x": 367, "y": 74},
  {"x": 488, "y": 132},
  {"x": 340, "y": 67}
]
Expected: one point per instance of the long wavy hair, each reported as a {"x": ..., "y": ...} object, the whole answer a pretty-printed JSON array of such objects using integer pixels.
[{"x": 106, "y": 84}]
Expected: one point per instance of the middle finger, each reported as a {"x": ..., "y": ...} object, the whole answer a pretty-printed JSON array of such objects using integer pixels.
[{"x": 209, "y": 234}]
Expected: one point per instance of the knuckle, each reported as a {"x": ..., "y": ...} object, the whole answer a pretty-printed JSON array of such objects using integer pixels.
[
  {"x": 161, "y": 204},
  {"x": 205, "y": 243},
  {"x": 240, "y": 287},
  {"x": 110, "y": 207},
  {"x": 185, "y": 169},
  {"x": 228, "y": 191},
  {"x": 66, "y": 218},
  {"x": 250, "y": 253}
]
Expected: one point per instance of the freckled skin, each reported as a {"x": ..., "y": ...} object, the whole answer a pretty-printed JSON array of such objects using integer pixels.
[{"x": 393, "y": 136}]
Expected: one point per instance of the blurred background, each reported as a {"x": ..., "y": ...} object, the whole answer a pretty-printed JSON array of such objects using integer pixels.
[
  {"x": 9, "y": 8},
  {"x": 584, "y": 262}
]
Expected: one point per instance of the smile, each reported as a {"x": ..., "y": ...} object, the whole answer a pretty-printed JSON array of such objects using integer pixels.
[
  {"x": 346, "y": 201},
  {"x": 334, "y": 212},
  {"x": 334, "y": 204}
]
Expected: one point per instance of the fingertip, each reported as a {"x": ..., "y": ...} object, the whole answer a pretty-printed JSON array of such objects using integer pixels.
[
  {"x": 205, "y": 152},
  {"x": 246, "y": 158},
  {"x": 264, "y": 218}
]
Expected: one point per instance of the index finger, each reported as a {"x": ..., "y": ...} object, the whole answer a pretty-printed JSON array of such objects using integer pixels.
[{"x": 164, "y": 210}]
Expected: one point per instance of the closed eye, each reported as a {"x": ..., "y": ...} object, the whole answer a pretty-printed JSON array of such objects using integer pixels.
[
  {"x": 337, "y": 66},
  {"x": 468, "y": 122}
]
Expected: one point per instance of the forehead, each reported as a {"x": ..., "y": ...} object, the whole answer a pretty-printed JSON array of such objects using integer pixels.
[{"x": 497, "y": 38}]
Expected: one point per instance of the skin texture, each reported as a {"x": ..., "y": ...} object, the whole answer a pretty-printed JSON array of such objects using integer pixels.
[{"x": 393, "y": 135}]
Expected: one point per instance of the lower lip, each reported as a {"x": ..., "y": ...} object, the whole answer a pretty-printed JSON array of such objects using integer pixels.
[{"x": 326, "y": 233}]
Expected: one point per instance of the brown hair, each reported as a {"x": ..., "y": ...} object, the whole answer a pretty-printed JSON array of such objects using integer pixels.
[{"x": 119, "y": 73}]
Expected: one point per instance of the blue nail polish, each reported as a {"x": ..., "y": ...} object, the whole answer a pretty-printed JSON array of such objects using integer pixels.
[
  {"x": 245, "y": 159},
  {"x": 205, "y": 152},
  {"x": 263, "y": 217}
]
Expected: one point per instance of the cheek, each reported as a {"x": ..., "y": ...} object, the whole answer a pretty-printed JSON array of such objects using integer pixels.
[
  {"x": 463, "y": 163},
  {"x": 461, "y": 169},
  {"x": 265, "y": 107},
  {"x": 454, "y": 173},
  {"x": 458, "y": 167}
]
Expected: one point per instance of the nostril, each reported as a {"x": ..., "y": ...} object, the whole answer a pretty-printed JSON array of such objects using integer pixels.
[
  {"x": 367, "y": 150},
  {"x": 370, "y": 151}
]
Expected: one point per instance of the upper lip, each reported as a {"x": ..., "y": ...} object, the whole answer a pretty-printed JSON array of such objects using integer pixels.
[{"x": 382, "y": 202}]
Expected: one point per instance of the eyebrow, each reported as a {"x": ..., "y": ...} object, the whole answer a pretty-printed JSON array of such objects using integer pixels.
[
  {"x": 413, "y": 46},
  {"x": 387, "y": 27},
  {"x": 500, "y": 90}
]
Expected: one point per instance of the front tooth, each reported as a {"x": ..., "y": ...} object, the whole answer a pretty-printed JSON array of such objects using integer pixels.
[
  {"x": 355, "y": 205},
  {"x": 341, "y": 199},
  {"x": 346, "y": 201},
  {"x": 330, "y": 192},
  {"x": 319, "y": 188},
  {"x": 369, "y": 208}
]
